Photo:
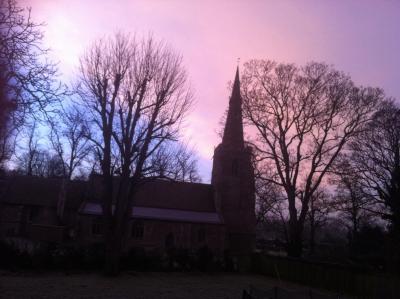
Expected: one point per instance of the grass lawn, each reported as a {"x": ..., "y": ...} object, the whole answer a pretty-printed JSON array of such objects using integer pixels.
[{"x": 132, "y": 285}]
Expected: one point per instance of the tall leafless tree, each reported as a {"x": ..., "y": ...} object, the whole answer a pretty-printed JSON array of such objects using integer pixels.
[
  {"x": 28, "y": 80},
  {"x": 304, "y": 116},
  {"x": 136, "y": 92}
]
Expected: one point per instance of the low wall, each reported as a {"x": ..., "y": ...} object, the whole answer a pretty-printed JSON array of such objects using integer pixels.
[{"x": 336, "y": 278}]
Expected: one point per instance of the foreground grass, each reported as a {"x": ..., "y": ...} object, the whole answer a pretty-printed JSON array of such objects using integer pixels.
[{"x": 132, "y": 285}]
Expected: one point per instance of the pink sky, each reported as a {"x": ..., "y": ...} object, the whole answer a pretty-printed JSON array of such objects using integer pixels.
[{"x": 361, "y": 38}]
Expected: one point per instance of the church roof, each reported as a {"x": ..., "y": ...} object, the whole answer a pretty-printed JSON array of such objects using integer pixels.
[
  {"x": 39, "y": 191},
  {"x": 168, "y": 200},
  {"x": 176, "y": 195},
  {"x": 159, "y": 193},
  {"x": 156, "y": 199}
]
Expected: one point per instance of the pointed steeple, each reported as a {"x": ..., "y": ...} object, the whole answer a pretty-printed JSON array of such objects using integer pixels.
[
  {"x": 233, "y": 132},
  {"x": 233, "y": 179}
]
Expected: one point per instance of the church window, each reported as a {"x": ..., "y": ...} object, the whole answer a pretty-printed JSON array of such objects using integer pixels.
[
  {"x": 137, "y": 230},
  {"x": 235, "y": 167}
]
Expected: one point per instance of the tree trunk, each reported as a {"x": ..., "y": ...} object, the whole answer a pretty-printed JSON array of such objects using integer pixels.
[
  {"x": 112, "y": 255},
  {"x": 110, "y": 266},
  {"x": 312, "y": 236},
  {"x": 295, "y": 246},
  {"x": 312, "y": 226},
  {"x": 114, "y": 245},
  {"x": 116, "y": 233}
]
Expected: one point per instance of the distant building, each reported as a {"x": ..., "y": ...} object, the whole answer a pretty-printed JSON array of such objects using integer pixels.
[{"x": 165, "y": 214}]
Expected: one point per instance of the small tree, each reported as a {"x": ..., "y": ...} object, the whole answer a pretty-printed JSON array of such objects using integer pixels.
[
  {"x": 32, "y": 157},
  {"x": 304, "y": 116},
  {"x": 68, "y": 139},
  {"x": 55, "y": 167},
  {"x": 271, "y": 208},
  {"x": 320, "y": 207},
  {"x": 175, "y": 162},
  {"x": 350, "y": 201}
]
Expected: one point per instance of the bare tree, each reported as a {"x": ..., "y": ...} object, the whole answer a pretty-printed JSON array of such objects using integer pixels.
[
  {"x": 320, "y": 207},
  {"x": 177, "y": 163},
  {"x": 137, "y": 94},
  {"x": 27, "y": 79},
  {"x": 6, "y": 107},
  {"x": 375, "y": 158},
  {"x": 55, "y": 167},
  {"x": 68, "y": 139},
  {"x": 271, "y": 205},
  {"x": 6, "y": 143},
  {"x": 29, "y": 163},
  {"x": 304, "y": 116},
  {"x": 350, "y": 200},
  {"x": 33, "y": 159}
]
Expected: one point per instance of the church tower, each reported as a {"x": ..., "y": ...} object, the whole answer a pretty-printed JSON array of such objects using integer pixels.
[{"x": 233, "y": 179}]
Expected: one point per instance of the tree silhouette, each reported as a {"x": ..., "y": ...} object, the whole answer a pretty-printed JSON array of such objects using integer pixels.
[
  {"x": 136, "y": 94},
  {"x": 350, "y": 201},
  {"x": 68, "y": 139},
  {"x": 320, "y": 207},
  {"x": 28, "y": 82},
  {"x": 174, "y": 161},
  {"x": 304, "y": 116},
  {"x": 375, "y": 158}
]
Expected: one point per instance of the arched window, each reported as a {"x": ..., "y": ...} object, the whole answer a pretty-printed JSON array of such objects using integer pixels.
[{"x": 137, "y": 231}]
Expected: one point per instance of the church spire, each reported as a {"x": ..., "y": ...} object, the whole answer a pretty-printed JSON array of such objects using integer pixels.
[
  {"x": 233, "y": 132},
  {"x": 233, "y": 179}
]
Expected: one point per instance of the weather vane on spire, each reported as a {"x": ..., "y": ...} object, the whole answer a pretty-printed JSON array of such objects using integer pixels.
[{"x": 238, "y": 61}]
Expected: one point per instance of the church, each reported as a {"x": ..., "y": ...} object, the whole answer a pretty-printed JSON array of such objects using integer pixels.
[{"x": 165, "y": 214}]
